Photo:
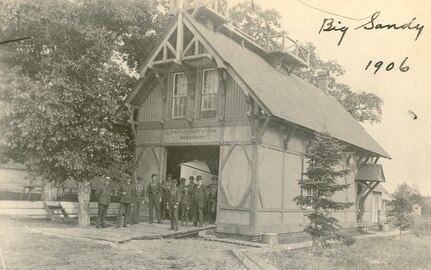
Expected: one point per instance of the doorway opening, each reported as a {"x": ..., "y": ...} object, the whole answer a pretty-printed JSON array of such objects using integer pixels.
[
  {"x": 186, "y": 161},
  {"x": 178, "y": 155}
]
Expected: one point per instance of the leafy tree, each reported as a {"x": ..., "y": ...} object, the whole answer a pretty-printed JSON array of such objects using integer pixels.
[
  {"x": 259, "y": 23},
  {"x": 255, "y": 21},
  {"x": 402, "y": 206},
  {"x": 321, "y": 185},
  {"x": 63, "y": 88},
  {"x": 134, "y": 24}
]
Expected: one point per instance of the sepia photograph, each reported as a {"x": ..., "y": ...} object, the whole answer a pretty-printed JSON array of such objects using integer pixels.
[{"x": 215, "y": 134}]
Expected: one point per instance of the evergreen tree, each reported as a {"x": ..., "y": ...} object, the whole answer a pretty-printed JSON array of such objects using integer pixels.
[{"x": 320, "y": 184}]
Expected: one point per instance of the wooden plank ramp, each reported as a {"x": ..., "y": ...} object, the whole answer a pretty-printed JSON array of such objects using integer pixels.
[{"x": 142, "y": 231}]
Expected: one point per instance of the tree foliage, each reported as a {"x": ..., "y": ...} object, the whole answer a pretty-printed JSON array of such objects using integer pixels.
[
  {"x": 255, "y": 21},
  {"x": 319, "y": 187},
  {"x": 402, "y": 205},
  {"x": 63, "y": 89},
  {"x": 259, "y": 23}
]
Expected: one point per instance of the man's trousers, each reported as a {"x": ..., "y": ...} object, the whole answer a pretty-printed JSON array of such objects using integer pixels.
[{"x": 102, "y": 210}]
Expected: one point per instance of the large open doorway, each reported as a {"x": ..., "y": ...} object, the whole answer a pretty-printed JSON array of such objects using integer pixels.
[
  {"x": 183, "y": 154},
  {"x": 186, "y": 161}
]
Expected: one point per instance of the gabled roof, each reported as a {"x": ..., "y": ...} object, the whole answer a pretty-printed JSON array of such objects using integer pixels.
[
  {"x": 371, "y": 172},
  {"x": 287, "y": 96}
]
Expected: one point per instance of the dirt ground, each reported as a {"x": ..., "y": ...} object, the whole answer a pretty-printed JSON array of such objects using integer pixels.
[{"x": 23, "y": 249}]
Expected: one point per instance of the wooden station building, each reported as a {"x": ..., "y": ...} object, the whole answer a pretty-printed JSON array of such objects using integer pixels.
[{"x": 208, "y": 90}]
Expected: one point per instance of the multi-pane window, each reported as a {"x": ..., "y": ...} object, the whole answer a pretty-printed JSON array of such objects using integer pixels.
[
  {"x": 209, "y": 89},
  {"x": 179, "y": 96}
]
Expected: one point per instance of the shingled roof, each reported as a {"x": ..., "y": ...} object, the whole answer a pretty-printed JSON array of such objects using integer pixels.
[{"x": 288, "y": 97}]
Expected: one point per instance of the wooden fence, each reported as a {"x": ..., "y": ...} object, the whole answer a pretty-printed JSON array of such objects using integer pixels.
[{"x": 36, "y": 209}]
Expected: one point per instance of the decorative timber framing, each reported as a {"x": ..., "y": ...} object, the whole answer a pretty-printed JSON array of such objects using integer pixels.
[
  {"x": 132, "y": 121},
  {"x": 366, "y": 185},
  {"x": 251, "y": 128},
  {"x": 366, "y": 188},
  {"x": 222, "y": 76}
]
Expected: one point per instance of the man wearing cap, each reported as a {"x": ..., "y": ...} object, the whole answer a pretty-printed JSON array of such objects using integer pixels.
[
  {"x": 138, "y": 200},
  {"x": 154, "y": 191},
  {"x": 174, "y": 200},
  {"x": 103, "y": 195},
  {"x": 200, "y": 200},
  {"x": 127, "y": 192},
  {"x": 212, "y": 201},
  {"x": 166, "y": 186}
]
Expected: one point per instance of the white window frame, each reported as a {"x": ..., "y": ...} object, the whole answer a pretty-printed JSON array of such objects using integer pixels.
[
  {"x": 214, "y": 94},
  {"x": 177, "y": 96}
]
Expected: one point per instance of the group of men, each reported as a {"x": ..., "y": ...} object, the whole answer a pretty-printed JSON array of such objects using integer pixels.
[
  {"x": 184, "y": 200},
  {"x": 132, "y": 194}
]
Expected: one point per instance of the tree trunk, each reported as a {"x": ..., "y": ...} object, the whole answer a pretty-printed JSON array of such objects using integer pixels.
[
  {"x": 84, "y": 191},
  {"x": 49, "y": 191}
]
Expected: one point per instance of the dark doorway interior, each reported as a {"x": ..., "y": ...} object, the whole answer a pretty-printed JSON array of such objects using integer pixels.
[{"x": 179, "y": 154}]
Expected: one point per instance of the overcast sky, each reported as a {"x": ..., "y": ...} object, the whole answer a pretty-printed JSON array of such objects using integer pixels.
[{"x": 408, "y": 141}]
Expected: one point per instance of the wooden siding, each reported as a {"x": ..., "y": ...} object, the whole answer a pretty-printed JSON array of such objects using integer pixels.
[
  {"x": 233, "y": 217},
  {"x": 152, "y": 107},
  {"x": 149, "y": 162},
  {"x": 273, "y": 136},
  {"x": 237, "y": 133},
  {"x": 232, "y": 101},
  {"x": 149, "y": 136},
  {"x": 236, "y": 173},
  {"x": 292, "y": 173},
  {"x": 236, "y": 105},
  {"x": 270, "y": 177}
]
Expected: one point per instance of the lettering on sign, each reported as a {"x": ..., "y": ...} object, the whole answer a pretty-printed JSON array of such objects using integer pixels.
[{"x": 192, "y": 135}]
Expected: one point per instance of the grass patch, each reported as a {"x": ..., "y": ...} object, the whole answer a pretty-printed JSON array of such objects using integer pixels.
[{"x": 407, "y": 252}]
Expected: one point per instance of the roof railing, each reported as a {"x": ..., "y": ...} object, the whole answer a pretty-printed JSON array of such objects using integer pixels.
[{"x": 283, "y": 44}]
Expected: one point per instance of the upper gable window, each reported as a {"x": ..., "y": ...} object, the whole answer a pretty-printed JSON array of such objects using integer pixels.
[
  {"x": 179, "y": 96},
  {"x": 209, "y": 89}
]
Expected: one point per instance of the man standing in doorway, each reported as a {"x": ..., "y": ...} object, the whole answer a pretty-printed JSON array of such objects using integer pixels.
[
  {"x": 200, "y": 200},
  {"x": 166, "y": 186},
  {"x": 185, "y": 201},
  {"x": 154, "y": 191},
  {"x": 192, "y": 189},
  {"x": 139, "y": 198},
  {"x": 212, "y": 201},
  {"x": 127, "y": 191},
  {"x": 173, "y": 203},
  {"x": 103, "y": 194}
]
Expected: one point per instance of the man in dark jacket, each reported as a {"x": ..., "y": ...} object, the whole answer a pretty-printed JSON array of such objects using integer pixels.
[
  {"x": 127, "y": 192},
  {"x": 139, "y": 198},
  {"x": 192, "y": 189},
  {"x": 200, "y": 202},
  {"x": 103, "y": 195},
  {"x": 185, "y": 201},
  {"x": 166, "y": 186},
  {"x": 154, "y": 191},
  {"x": 173, "y": 204},
  {"x": 212, "y": 201}
]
